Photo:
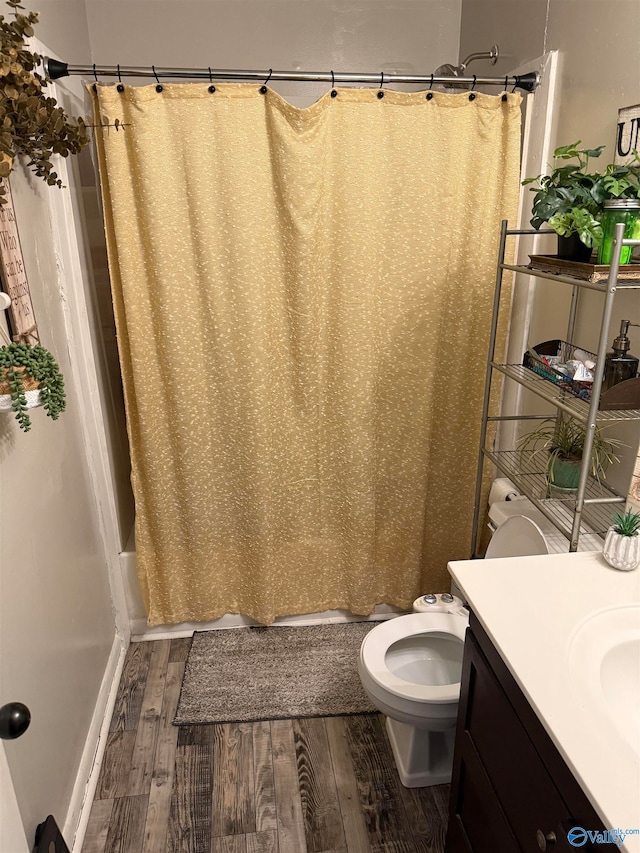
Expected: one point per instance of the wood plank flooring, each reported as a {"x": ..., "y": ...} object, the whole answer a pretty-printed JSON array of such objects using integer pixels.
[{"x": 322, "y": 785}]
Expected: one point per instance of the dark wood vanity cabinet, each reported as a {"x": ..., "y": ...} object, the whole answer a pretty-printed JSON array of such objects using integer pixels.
[{"x": 511, "y": 791}]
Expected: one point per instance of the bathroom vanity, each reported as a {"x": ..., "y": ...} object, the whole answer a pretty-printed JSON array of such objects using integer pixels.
[{"x": 548, "y": 730}]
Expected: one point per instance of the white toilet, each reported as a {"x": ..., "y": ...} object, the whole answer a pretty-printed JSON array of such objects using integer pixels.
[{"x": 410, "y": 666}]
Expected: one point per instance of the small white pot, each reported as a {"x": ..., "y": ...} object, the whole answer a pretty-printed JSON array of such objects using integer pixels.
[
  {"x": 621, "y": 552},
  {"x": 33, "y": 400}
]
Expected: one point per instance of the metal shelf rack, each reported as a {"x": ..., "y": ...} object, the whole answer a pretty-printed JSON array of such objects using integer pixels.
[{"x": 589, "y": 509}]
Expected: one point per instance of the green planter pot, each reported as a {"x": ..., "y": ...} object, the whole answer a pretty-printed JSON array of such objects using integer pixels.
[{"x": 564, "y": 475}]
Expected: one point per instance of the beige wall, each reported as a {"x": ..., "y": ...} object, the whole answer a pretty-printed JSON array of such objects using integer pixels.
[
  {"x": 63, "y": 27},
  {"x": 56, "y": 620},
  {"x": 312, "y": 35},
  {"x": 516, "y": 26},
  {"x": 599, "y": 73}
]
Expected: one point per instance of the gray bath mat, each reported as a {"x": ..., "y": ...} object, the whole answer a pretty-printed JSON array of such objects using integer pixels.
[{"x": 248, "y": 674}]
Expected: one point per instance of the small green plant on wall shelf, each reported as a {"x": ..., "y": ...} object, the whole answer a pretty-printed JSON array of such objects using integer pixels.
[
  {"x": 29, "y": 377},
  {"x": 31, "y": 122}
]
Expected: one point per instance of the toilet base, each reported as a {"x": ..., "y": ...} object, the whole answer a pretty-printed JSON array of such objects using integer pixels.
[{"x": 422, "y": 757}]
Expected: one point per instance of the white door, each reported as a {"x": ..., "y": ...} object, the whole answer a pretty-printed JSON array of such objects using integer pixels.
[{"x": 12, "y": 835}]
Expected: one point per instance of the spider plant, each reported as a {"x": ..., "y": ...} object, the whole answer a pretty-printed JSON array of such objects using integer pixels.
[{"x": 562, "y": 441}]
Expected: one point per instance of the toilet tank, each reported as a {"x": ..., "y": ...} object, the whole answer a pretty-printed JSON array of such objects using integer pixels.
[{"x": 512, "y": 536}]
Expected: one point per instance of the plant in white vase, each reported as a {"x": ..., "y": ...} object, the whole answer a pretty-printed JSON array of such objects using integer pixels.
[{"x": 622, "y": 542}]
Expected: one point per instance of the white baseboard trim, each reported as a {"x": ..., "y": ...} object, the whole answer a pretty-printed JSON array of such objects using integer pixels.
[
  {"x": 75, "y": 826},
  {"x": 140, "y": 631}
]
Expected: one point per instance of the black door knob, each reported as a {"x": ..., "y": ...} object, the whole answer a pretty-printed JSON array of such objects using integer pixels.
[
  {"x": 14, "y": 720},
  {"x": 545, "y": 839}
]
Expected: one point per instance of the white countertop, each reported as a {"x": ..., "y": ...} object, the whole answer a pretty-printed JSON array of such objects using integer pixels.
[{"x": 532, "y": 608}]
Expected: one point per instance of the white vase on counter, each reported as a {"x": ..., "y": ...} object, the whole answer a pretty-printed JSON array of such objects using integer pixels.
[{"x": 621, "y": 552}]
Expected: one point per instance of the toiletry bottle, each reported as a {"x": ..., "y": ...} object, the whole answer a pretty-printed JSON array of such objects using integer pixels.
[{"x": 619, "y": 364}]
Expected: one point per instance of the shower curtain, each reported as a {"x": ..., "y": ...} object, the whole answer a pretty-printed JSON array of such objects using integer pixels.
[{"x": 302, "y": 299}]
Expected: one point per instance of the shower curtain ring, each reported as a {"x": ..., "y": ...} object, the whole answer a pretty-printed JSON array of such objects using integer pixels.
[
  {"x": 119, "y": 87},
  {"x": 381, "y": 93},
  {"x": 95, "y": 87},
  {"x": 211, "y": 88},
  {"x": 431, "y": 84},
  {"x": 158, "y": 87},
  {"x": 515, "y": 85},
  {"x": 333, "y": 83},
  {"x": 263, "y": 88},
  {"x": 472, "y": 96}
]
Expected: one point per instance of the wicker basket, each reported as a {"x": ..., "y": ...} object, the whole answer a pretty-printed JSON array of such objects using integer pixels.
[
  {"x": 28, "y": 382},
  {"x": 31, "y": 390}
]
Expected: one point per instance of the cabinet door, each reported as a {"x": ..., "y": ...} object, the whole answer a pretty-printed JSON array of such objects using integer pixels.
[
  {"x": 480, "y": 824},
  {"x": 503, "y": 797},
  {"x": 522, "y": 784}
]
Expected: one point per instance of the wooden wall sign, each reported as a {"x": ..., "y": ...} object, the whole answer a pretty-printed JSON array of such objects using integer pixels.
[
  {"x": 627, "y": 134},
  {"x": 22, "y": 321}
]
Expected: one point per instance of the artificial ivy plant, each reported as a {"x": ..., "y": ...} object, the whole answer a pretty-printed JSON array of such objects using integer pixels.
[
  {"x": 31, "y": 122},
  {"x": 571, "y": 198},
  {"x": 24, "y": 367}
]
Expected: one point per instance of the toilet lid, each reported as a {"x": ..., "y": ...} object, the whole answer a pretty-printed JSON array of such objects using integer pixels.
[
  {"x": 518, "y": 536},
  {"x": 375, "y": 645}
]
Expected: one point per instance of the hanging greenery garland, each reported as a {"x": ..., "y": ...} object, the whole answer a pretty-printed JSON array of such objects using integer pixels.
[{"x": 31, "y": 123}]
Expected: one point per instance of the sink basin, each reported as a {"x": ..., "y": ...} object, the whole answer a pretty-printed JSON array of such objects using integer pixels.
[{"x": 604, "y": 668}]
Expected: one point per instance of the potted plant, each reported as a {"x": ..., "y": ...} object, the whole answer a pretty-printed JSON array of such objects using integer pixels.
[
  {"x": 562, "y": 443},
  {"x": 30, "y": 376},
  {"x": 570, "y": 199},
  {"x": 31, "y": 122},
  {"x": 622, "y": 542}
]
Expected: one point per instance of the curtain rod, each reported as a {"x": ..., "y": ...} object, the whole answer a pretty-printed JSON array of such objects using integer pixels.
[{"x": 54, "y": 69}]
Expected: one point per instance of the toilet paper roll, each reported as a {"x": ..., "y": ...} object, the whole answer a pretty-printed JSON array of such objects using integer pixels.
[{"x": 502, "y": 490}]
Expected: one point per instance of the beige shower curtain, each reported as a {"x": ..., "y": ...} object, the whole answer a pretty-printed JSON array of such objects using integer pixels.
[{"x": 302, "y": 300}]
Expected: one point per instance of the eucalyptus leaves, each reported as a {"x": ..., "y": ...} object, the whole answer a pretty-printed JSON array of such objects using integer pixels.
[
  {"x": 31, "y": 123},
  {"x": 571, "y": 199},
  {"x": 24, "y": 367}
]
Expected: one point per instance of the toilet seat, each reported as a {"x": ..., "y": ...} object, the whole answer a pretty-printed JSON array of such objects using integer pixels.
[
  {"x": 518, "y": 536},
  {"x": 377, "y": 643}
]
